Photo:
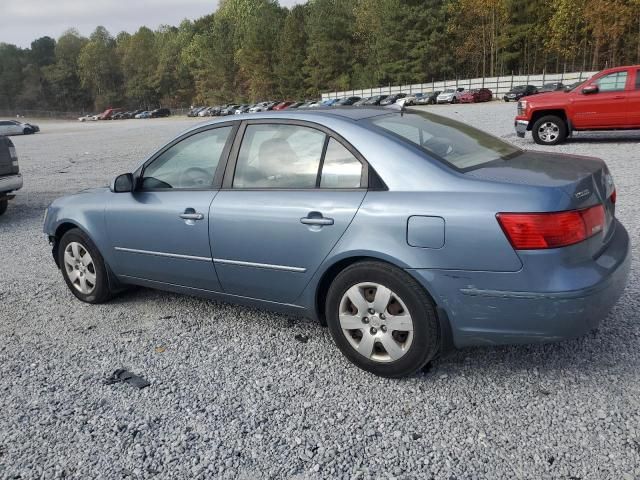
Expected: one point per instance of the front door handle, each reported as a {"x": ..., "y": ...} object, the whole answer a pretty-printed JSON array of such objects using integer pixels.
[
  {"x": 191, "y": 214},
  {"x": 316, "y": 218}
]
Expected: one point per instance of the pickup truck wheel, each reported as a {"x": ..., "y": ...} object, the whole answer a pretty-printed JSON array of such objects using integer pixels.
[
  {"x": 4, "y": 203},
  {"x": 83, "y": 268},
  {"x": 549, "y": 130}
]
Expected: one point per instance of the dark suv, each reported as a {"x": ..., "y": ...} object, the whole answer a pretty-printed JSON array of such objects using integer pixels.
[{"x": 10, "y": 177}]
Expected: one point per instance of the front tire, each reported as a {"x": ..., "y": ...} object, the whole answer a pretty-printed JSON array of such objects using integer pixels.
[
  {"x": 83, "y": 268},
  {"x": 382, "y": 319},
  {"x": 549, "y": 130},
  {"x": 4, "y": 204}
]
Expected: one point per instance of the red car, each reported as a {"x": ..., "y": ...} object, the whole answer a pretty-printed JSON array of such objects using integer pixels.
[
  {"x": 610, "y": 100},
  {"x": 476, "y": 95},
  {"x": 282, "y": 106},
  {"x": 108, "y": 113}
]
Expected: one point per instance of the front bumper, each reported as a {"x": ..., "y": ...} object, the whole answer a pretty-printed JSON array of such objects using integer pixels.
[
  {"x": 521, "y": 127},
  {"x": 10, "y": 183},
  {"x": 498, "y": 308}
]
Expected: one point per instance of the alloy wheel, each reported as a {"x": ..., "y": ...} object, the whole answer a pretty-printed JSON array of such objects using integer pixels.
[
  {"x": 548, "y": 132},
  {"x": 80, "y": 268},
  {"x": 376, "y": 322}
]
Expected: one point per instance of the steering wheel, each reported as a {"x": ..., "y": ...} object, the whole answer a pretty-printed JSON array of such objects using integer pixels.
[{"x": 195, "y": 177}]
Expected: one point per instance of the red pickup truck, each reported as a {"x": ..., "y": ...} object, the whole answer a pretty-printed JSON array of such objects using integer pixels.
[{"x": 610, "y": 100}]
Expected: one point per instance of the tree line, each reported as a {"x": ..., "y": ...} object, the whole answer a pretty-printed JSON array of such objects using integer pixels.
[{"x": 249, "y": 50}]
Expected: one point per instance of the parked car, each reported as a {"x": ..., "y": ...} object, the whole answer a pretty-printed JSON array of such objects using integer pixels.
[
  {"x": 143, "y": 115},
  {"x": 362, "y": 102},
  {"x": 15, "y": 127},
  {"x": 160, "y": 113},
  {"x": 413, "y": 99},
  {"x": 92, "y": 117},
  {"x": 295, "y": 105},
  {"x": 260, "y": 107},
  {"x": 10, "y": 177},
  {"x": 391, "y": 301},
  {"x": 429, "y": 98},
  {"x": 282, "y": 105},
  {"x": 376, "y": 100},
  {"x": 476, "y": 95},
  {"x": 108, "y": 113},
  {"x": 194, "y": 111},
  {"x": 552, "y": 87},
  {"x": 228, "y": 110},
  {"x": 573, "y": 85},
  {"x": 307, "y": 104},
  {"x": 391, "y": 99},
  {"x": 450, "y": 95},
  {"x": 244, "y": 108},
  {"x": 347, "y": 101},
  {"x": 610, "y": 100},
  {"x": 516, "y": 93}
]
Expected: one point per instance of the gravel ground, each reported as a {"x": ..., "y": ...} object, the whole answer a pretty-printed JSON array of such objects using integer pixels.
[{"x": 234, "y": 395}]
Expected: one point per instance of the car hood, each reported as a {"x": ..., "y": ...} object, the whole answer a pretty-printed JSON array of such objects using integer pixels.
[{"x": 543, "y": 96}]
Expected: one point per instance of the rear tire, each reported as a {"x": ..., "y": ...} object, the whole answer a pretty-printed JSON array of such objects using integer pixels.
[
  {"x": 549, "y": 130},
  {"x": 4, "y": 204},
  {"x": 83, "y": 267},
  {"x": 395, "y": 327}
]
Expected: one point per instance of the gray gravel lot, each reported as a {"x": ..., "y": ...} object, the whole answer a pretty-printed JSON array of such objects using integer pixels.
[{"x": 234, "y": 395}]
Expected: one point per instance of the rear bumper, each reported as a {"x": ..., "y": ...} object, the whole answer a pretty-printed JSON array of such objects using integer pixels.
[
  {"x": 521, "y": 127},
  {"x": 10, "y": 183},
  {"x": 491, "y": 308}
]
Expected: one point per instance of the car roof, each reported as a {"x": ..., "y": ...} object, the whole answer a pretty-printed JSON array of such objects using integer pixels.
[{"x": 349, "y": 113}]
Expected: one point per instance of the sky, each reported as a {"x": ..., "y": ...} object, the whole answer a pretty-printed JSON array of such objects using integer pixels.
[{"x": 22, "y": 21}]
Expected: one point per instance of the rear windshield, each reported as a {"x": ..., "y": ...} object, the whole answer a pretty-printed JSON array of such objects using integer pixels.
[{"x": 453, "y": 142}]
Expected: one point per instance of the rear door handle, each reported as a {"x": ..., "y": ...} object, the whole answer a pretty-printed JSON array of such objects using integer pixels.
[
  {"x": 619, "y": 97},
  {"x": 191, "y": 214},
  {"x": 316, "y": 218}
]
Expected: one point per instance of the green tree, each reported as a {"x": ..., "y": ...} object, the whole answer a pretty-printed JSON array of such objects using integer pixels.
[
  {"x": 329, "y": 52},
  {"x": 11, "y": 75},
  {"x": 139, "y": 67},
  {"x": 99, "y": 68},
  {"x": 292, "y": 47}
]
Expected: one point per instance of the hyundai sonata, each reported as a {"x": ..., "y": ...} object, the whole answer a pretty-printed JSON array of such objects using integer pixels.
[{"x": 404, "y": 232}]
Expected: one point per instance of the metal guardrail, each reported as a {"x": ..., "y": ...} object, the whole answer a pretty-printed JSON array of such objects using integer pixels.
[{"x": 498, "y": 85}]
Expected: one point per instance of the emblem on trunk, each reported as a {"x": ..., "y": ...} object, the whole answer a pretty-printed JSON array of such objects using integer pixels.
[{"x": 582, "y": 194}]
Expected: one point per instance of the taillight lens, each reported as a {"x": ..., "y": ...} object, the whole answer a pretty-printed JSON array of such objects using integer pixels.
[
  {"x": 613, "y": 197},
  {"x": 534, "y": 231}
]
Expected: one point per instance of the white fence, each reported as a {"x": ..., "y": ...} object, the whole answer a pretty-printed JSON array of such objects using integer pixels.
[{"x": 498, "y": 85}]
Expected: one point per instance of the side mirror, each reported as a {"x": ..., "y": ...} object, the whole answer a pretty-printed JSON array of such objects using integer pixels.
[
  {"x": 122, "y": 183},
  {"x": 590, "y": 89}
]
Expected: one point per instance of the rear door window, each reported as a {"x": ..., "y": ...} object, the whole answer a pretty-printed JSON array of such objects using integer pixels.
[{"x": 279, "y": 156}]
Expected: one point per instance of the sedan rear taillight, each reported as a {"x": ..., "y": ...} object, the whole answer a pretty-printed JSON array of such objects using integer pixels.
[
  {"x": 613, "y": 197},
  {"x": 534, "y": 231}
]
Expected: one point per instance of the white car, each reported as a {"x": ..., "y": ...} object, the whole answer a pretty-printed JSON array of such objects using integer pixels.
[
  {"x": 14, "y": 127},
  {"x": 260, "y": 107},
  {"x": 450, "y": 95},
  {"x": 88, "y": 118}
]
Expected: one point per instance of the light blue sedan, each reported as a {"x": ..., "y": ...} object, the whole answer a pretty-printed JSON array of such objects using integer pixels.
[{"x": 405, "y": 232}]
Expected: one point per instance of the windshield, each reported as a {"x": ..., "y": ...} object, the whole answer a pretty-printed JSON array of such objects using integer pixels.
[
  {"x": 458, "y": 144},
  {"x": 448, "y": 91}
]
